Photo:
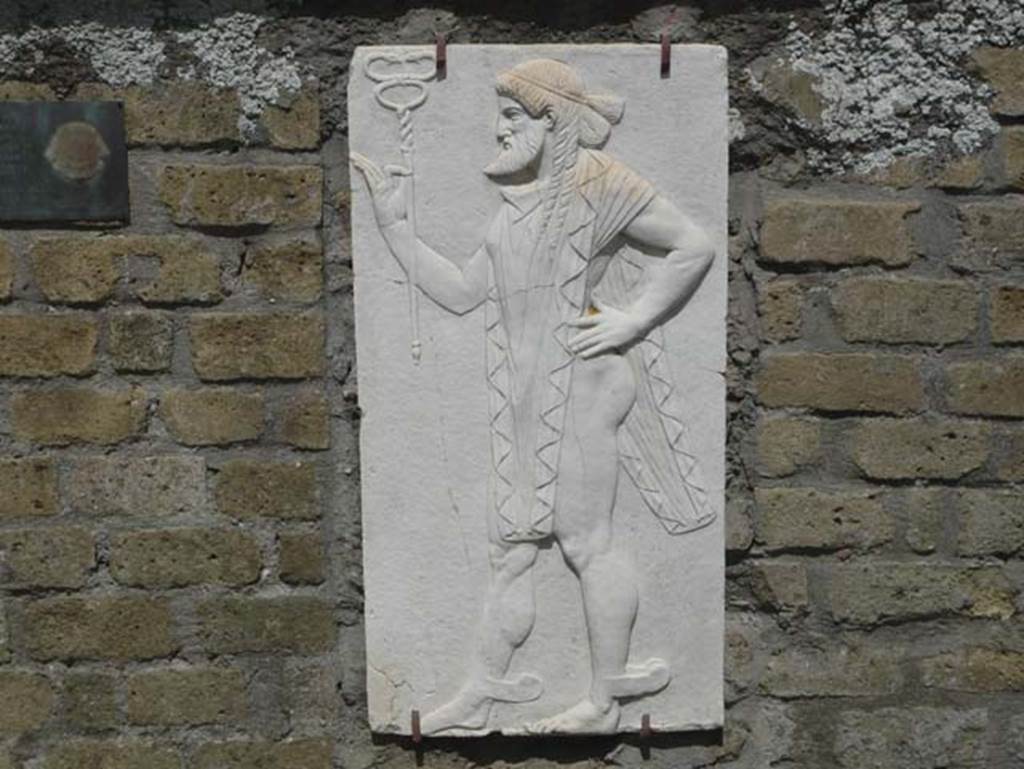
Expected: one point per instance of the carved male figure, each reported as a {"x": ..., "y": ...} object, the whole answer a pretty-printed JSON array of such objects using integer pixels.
[{"x": 574, "y": 379}]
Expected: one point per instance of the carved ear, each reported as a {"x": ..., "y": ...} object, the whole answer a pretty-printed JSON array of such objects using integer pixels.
[{"x": 549, "y": 119}]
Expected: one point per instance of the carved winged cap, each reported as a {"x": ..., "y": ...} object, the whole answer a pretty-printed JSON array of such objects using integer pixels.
[{"x": 545, "y": 84}]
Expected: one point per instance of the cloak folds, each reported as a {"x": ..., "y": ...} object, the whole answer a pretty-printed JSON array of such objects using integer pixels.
[{"x": 653, "y": 442}]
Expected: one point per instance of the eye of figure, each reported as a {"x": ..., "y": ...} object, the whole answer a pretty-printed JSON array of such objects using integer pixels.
[{"x": 512, "y": 113}]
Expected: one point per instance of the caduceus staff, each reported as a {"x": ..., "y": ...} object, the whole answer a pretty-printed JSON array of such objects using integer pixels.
[{"x": 395, "y": 74}]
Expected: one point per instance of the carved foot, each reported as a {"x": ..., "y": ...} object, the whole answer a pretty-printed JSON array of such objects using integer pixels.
[
  {"x": 646, "y": 678},
  {"x": 585, "y": 717},
  {"x": 471, "y": 707},
  {"x": 467, "y": 710}
]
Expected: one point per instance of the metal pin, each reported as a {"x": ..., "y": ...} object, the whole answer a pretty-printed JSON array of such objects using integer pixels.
[
  {"x": 645, "y": 726},
  {"x": 441, "y": 54},
  {"x": 417, "y": 735},
  {"x": 666, "y": 55}
]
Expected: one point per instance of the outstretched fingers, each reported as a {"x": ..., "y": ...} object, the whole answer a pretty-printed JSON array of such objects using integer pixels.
[{"x": 371, "y": 172}]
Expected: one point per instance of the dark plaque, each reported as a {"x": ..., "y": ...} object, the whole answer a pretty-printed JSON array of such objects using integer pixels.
[{"x": 63, "y": 162}]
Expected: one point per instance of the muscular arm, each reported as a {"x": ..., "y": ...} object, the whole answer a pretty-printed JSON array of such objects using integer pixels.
[
  {"x": 457, "y": 290},
  {"x": 671, "y": 281},
  {"x": 668, "y": 283}
]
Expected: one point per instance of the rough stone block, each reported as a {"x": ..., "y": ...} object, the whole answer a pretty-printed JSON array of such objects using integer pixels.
[
  {"x": 26, "y": 702},
  {"x": 304, "y": 421},
  {"x": 152, "y": 487},
  {"x": 75, "y": 270},
  {"x": 301, "y": 558},
  {"x": 295, "y": 124},
  {"x": 53, "y": 557},
  {"x": 991, "y": 522},
  {"x": 780, "y": 586},
  {"x": 895, "y": 449},
  {"x": 72, "y": 415},
  {"x": 1011, "y": 151},
  {"x": 787, "y": 444},
  {"x": 816, "y": 519},
  {"x": 1010, "y": 464},
  {"x": 293, "y": 754},
  {"x": 140, "y": 342},
  {"x": 29, "y": 488},
  {"x": 242, "y": 195},
  {"x": 296, "y": 624},
  {"x": 993, "y": 234},
  {"x": 171, "y": 558},
  {"x": 187, "y": 270},
  {"x": 47, "y": 345},
  {"x": 993, "y": 387},
  {"x": 878, "y": 592},
  {"x": 779, "y": 305},
  {"x": 107, "y": 628},
  {"x": 240, "y": 346},
  {"x": 841, "y": 382},
  {"x": 20, "y": 90},
  {"x": 8, "y": 267},
  {"x": 177, "y": 114},
  {"x": 911, "y": 738},
  {"x": 249, "y": 488},
  {"x": 837, "y": 233},
  {"x": 5, "y": 641},
  {"x": 962, "y": 174},
  {"x": 901, "y": 173},
  {"x": 838, "y": 670},
  {"x": 186, "y": 697},
  {"x": 312, "y": 694},
  {"x": 1007, "y": 313},
  {"x": 925, "y": 519},
  {"x": 975, "y": 670},
  {"x": 739, "y": 529},
  {"x": 212, "y": 416},
  {"x": 1016, "y": 734},
  {"x": 90, "y": 701},
  {"x": 189, "y": 273},
  {"x": 1003, "y": 68},
  {"x": 110, "y": 754},
  {"x": 286, "y": 270},
  {"x": 899, "y": 310}
]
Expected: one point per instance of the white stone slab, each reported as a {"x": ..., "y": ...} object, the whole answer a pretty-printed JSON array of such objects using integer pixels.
[{"x": 454, "y": 440}]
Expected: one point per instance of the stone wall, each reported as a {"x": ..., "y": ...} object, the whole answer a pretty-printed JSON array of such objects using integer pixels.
[{"x": 179, "y": 520}]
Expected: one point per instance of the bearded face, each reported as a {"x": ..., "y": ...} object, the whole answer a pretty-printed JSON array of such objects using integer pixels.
[{"x": 520, "y": 139}]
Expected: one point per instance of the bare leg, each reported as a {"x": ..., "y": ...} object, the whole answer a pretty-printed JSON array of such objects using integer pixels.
[
  {"x": 507, "y": 620},
  {"x": 509, "y": 609},
  {"x": 603, "y": 391}
]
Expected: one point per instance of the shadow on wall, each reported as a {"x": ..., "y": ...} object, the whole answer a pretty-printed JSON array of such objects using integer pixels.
[
  {"x": 566, "y": 15},
  {"x": 561, "y": 749}
]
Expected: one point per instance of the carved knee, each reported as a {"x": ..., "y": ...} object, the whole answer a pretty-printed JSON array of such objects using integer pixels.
[{"x": 580, "y": 550}]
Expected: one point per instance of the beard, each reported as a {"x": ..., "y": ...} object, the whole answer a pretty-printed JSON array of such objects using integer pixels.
[{"x": 521, "y": 151}]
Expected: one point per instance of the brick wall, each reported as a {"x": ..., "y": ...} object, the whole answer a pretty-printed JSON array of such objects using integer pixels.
[
  {"x": 180, "y": 578},
  {"x": 167, "y": 592}
]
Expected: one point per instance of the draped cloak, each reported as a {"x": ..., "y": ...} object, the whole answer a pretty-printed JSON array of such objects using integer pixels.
[{"x": 532, "y": 294}]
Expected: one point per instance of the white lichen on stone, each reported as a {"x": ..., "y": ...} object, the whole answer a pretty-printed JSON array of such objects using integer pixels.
[
  {"x": 226, "y": 51},
  {"x": 229, "y": 56},
  {"x": 119, "y": 55},
  {"x": 895, "y": 85}
]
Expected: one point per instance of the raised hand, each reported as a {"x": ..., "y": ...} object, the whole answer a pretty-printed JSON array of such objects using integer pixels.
[
  {"x": 609, "y": 329},
  {"x": 387, "y": 189}
]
